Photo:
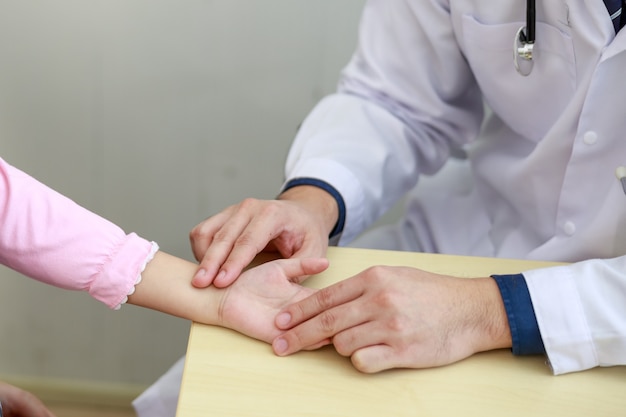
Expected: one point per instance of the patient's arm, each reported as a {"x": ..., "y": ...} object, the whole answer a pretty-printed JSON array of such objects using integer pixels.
[{"x": 249, "y": 305}]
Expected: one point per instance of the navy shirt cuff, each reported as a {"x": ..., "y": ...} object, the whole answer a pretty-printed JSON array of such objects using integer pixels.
[
  {"x": 341, "y": 205},
  {"x": 525, "y": 332}
]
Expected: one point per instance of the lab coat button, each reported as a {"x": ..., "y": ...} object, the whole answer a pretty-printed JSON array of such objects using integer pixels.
[
  {"x": 569, "y": 228},
  {"x": 590, "y": 137}
]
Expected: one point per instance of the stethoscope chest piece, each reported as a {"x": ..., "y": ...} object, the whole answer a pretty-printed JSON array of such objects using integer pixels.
[
  {"x": 524, "y": 42},
  {"x": 523, "y": 53}
]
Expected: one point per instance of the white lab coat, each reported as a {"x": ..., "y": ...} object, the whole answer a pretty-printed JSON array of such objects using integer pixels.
[{"x": 539, "y": 180}]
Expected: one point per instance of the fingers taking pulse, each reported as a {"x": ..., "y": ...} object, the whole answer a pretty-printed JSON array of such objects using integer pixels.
[{"x": 313, "y": 322}]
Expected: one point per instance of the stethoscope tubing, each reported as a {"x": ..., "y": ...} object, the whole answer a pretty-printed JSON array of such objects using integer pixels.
[{"x": 531, "y": 20}]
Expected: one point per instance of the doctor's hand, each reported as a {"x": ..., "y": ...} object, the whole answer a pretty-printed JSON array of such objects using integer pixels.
[
  {"x": 397, "y": 317},
  {"x": 19, "y": 403},
  {"x": 250, "y": 305},
  {"x": 296, "y": 225}
]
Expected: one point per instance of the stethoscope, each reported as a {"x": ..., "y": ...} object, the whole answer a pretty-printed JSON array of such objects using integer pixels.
[{"x": 525, "y": 42}]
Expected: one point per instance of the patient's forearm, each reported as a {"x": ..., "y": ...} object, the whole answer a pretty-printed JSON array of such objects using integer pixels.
[
  {"x": 166, "y": 287},
  {"x": 248, "y": 306}
]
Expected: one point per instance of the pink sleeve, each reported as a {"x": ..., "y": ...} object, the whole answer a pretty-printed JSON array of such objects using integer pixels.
[{"x": 52, "y": 239}]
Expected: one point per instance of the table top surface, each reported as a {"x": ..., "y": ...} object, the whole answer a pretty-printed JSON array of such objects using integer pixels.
[{"x": 228, "y": 374}]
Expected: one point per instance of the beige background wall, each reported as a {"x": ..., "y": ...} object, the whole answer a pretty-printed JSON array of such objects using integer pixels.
[{"x": 154, "y": 114}]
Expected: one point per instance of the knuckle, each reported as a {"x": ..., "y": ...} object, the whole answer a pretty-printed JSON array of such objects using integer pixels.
[
  {"x": 327, "y": 322},
  {"x": 245, "y": 239},
  {"x": 271, "y": 211},
  {"x": 298, "y": 312},
  {"x": 325, "y": 298},
  {"x": 248, "y": 203},
  {"x": 374, "y": 275},
  {"x": 397, "y": 324},
  {"x": 376, "y": 270},
  {"x": 246, "y": 245},
  {"x": 197, "y": 232},
  {"x": 222, "y": 236},
  {"x": 386, "y": 299},
  {"x": 297, "y": 339}
]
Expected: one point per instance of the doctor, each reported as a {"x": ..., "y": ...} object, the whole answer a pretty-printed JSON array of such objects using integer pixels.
[{"x": 533, "y": 177}]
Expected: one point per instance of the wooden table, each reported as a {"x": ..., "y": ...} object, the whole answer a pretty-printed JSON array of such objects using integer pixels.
[{"x": 227, "y": 374}]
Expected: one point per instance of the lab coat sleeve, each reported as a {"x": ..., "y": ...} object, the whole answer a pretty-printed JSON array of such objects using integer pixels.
[
  {"x": 335, "y": 233},
  {"x": 48, "y": 237},
  {"x": 525, "y": 334},
  {"x": 581, "y": 311},
  {"x": 404, "y": 101}
]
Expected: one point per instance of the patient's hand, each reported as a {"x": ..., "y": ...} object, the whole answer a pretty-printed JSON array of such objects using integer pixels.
[
  {"x": 19, "y": 403},
  {"x": 251, "y": 303}
]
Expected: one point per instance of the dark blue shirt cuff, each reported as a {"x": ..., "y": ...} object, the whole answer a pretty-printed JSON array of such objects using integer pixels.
[
  {"x": 341, "y": 205},
  {"x": 521, "y": 314}
]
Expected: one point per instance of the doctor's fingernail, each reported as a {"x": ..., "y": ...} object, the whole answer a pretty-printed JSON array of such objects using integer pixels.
[
  {"x": 200, "y": 274},
  {"x": 280, "y": 346},
  {"x": 283, "y": 319},
  {"x": 220, "y": 276}
]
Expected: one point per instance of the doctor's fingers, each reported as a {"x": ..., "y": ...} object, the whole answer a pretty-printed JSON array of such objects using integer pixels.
[
  {"x": 313, "y": 332},
  {"x": 377, "y": 358},
  {"x": 292, "y": 268},
  {"x": 234, "y": 238},
  {"x": 320, "y": 304},
  {"x": 201, "y": 235},
  {"x": 316, "y": 332},
  {"x": 390, "y": 343},
  {"x": 211, "y": 243},
  {"x": 373, "y": 332}
]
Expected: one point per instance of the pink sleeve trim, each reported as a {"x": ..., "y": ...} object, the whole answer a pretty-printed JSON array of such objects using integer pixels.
[{"x": 154, "y": 249}]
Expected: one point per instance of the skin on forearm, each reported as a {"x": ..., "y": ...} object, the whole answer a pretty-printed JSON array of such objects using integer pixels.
[
  {"x": 166, "y": 286},
  {"x": 491, "y": 320},
  {"x": 317, "y": 201}
]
